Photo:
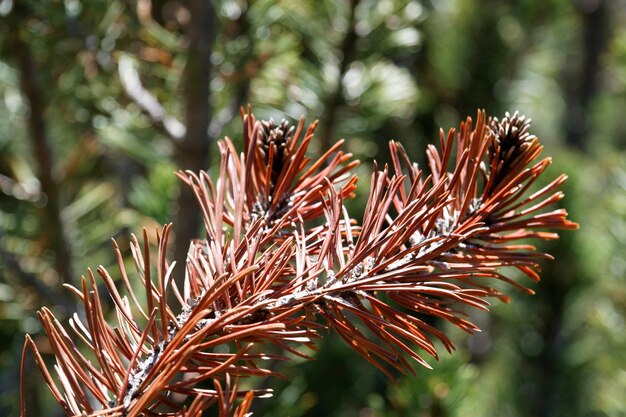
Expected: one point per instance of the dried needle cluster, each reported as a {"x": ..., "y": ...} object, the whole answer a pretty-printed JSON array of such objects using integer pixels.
[{"x": 266, "y": 273}]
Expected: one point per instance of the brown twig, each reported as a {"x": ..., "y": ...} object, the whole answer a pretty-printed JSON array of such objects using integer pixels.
[{"x": 147, "y": 102}]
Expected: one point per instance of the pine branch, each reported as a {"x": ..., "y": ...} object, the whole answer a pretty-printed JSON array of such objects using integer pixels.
[{"x": 268, "y": 273}]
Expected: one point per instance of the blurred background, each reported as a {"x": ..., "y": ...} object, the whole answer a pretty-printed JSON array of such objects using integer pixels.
[{"x": 101, "y": 100}]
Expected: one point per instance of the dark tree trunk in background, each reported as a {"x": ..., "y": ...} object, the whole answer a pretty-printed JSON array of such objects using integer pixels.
[
  {"x": 334, "y": 99},
  {"x": 43, "y": 157},
  {"x": 247, "y": 66},
  {"x": 583, "y": 82},
  {"x": 423, "y": 128},
  {"x": 192, "y": 151}
]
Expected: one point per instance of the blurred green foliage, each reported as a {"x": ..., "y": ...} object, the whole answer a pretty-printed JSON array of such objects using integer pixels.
[{"x": 371, "y": 71}]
